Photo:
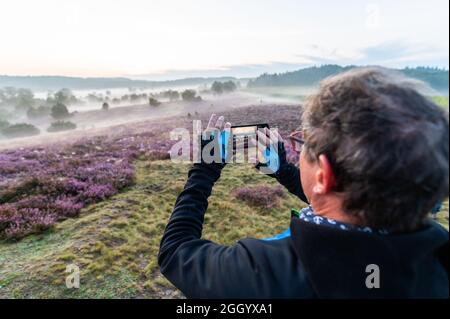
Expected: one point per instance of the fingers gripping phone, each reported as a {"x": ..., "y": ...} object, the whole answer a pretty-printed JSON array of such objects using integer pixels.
[{"x": 270, "y": 162}]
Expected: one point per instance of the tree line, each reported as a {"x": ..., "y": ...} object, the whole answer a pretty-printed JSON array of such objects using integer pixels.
[{"x": 434, "y": 77}]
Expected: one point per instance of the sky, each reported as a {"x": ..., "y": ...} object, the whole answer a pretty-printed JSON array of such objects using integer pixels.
[{"x": 168, "y": 39}]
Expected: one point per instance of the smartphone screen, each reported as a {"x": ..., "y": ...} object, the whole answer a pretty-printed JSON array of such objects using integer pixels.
[
  {"x": 244, "y": 131},
  {"x": 242, "y": 135},
  {"x": 247, "y": 130},
  {"x": 241, "y": 138}
]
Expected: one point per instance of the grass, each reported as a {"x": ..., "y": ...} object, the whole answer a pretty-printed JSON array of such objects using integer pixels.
[
  {"x": 442, "y": 217},
  {"x": 441, "y": 100},
  {"x": 294, "y": 93},
  {"x": 115, "y": 243}
]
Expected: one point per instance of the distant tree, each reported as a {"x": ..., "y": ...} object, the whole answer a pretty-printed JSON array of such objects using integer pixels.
[
  {"x": 115, "y": 101},
  {"x": 24, "y": 99},
  {"x": 20, "y": 99},
  {"x": 41, "y": 111},
  {"x": 60, "y": 111},
  {"x": 4, "y": 124},
  {"x": 171, "y": 95},
  {"x": 223, "y": 87},
  {"x": 154, "y": 102},
  {"x": 311, "y": 76},
  {"x": 105, "y": 106},
  {"x": 60, "y": 126},
  {"x": 190, "y": 96},
  {"x": 217, "y": 87},
  {"x": 174, "y": 96},
  {"x": 94, "y": 98},
  {"x": 229, "y": 86},
  {"x": 65, "y": 96},
  {"x": 134, "y": 97},
  {"x": 8, "y": 95},
  {"x": 20, "y": 130}
]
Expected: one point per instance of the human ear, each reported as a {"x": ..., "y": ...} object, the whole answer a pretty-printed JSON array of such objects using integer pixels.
[{"x": 325, "y": 179}]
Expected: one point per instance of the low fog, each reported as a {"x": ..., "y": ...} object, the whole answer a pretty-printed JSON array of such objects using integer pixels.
[
  {"x": 28, "y": 116},
  {"x": 91, "y": 110}
]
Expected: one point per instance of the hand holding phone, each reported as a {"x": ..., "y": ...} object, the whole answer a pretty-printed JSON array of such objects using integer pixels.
[{"x": 271, "y": 154}]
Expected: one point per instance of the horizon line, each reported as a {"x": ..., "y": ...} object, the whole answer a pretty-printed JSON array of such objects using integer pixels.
[{"x": 130, "y": 77}]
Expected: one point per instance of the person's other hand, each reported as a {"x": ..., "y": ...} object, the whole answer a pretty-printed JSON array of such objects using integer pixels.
[
  {"x": 222, "y": 131},
  {"x": 271, "y": 154}
]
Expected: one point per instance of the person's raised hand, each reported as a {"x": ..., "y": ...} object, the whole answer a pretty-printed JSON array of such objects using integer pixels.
[
  {"x": 219, "y": 132},
  {"x": 270, "y": 155},
  {"x": 218, "y": 123}
]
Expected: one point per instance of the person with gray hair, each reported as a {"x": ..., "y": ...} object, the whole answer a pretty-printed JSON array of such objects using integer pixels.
[{"x": 374, "y": 160}]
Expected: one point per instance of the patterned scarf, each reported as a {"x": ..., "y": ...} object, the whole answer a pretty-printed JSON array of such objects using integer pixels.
[{"x": 307, "y": 214}]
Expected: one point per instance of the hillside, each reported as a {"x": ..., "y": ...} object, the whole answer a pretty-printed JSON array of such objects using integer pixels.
[
  {"x": 44, "y": 83},
  {"x": 437, "y": 79},
  {"x": 114, "y": 237}
]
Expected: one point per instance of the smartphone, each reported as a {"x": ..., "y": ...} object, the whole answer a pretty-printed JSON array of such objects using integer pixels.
[
  {"x": 240, "y": 130},
  {"x": 242, "y": 133}
]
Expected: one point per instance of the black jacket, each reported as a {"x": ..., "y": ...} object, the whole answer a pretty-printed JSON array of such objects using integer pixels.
[{"x": 314, "y": 262}]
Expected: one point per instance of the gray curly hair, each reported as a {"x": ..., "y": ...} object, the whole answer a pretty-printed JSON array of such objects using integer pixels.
[{"x": 388, "y": 146}]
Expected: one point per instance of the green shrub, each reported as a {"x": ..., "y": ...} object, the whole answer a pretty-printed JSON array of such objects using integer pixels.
[
  {"x": 41, "y": 111},
  {"x": 105, "y": 106},
  {"x": 441, "y": 101},
  {"x": 20, "y": 130},
  {"x": 60, "y": 126},
  {"x": 171, "y": 95},
  {"x": 60, "y": 111},
  {"x": 190, "y": 96},
  {"x": 23, "y": 100},
  {"x": 223, "y": 87},
  {"x": 154, "y": 102}
]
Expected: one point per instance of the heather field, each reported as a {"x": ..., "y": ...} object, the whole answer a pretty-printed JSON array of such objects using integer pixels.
[
  {"x": 101, "y": 202},
  {"x": 101, "y": 199}
]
